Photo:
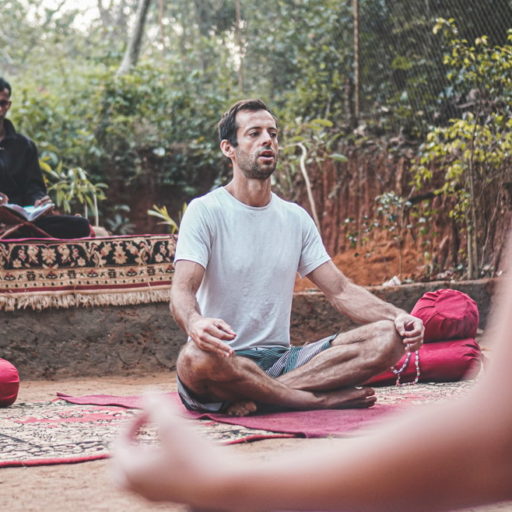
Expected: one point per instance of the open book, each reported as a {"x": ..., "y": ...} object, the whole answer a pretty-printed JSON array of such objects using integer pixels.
[{"x": 29, "y": 212}]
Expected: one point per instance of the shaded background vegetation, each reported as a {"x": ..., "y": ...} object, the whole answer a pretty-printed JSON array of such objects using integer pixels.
[{"x": 396, "y": 126}]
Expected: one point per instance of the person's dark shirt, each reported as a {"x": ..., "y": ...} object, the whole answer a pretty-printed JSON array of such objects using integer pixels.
[{"x": 21, "y": 177}]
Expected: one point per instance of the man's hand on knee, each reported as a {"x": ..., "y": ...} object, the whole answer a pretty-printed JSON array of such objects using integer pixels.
[
  {"x": 411, "y": 330},
  {"x": 211, "y": 334}
]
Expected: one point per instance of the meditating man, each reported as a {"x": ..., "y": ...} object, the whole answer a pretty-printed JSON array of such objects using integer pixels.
[
  {"x": 239, "y": 250},
  {"x": 21, "y": 179}
]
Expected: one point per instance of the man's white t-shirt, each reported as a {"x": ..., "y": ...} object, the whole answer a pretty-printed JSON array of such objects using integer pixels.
[{"x": 251, "y": 256}]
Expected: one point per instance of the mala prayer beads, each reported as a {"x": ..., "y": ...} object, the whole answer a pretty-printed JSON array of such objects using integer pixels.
[{"x": 398, "y": 371}]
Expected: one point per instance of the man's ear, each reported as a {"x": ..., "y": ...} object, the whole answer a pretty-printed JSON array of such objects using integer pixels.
[{"x": 226, "y": 148}]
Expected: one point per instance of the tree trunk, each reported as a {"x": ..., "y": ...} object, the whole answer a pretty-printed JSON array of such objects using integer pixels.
[
  {"x": 472, "y": 226},
  {"x": 238, "y": 37},
  {"x": 357, "y": 72},
  {"x": 131, "y": 55}
]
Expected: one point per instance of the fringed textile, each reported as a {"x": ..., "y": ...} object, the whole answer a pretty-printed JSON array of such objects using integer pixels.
[{"x": 109, "y": 271}]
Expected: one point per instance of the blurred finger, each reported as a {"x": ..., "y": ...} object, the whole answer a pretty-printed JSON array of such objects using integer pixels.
[
  {"x": 162, "y": 413},
  {"x": 132, "y": 428}
]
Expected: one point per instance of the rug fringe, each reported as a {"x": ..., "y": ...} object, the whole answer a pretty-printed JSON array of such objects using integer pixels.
[{"x": 39, "y": 301}]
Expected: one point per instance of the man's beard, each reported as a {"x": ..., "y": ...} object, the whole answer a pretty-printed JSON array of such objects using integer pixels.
[{"x": 253, "y": 170}]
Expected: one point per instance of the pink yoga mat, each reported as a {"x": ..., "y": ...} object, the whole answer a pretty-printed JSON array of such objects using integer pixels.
[{"x": 318, "y": 423}]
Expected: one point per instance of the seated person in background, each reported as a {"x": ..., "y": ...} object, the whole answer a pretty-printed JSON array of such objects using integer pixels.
[
  {"x": 446, "y": 456},
  {"x": 21, "y": 178}
]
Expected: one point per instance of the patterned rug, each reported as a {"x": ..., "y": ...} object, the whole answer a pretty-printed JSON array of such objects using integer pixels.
[
  {"x": 117, "y": 270},
  {"x": 59, "y": 432},
  {"x": 422, "y": 393}
]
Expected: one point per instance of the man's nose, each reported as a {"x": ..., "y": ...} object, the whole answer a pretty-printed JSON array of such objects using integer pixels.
[{"x": 266, "y": 139}]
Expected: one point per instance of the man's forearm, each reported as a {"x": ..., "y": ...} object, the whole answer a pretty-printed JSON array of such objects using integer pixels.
[
  {"x": 209, "y": 334},
  {"x": 184, "y": 308},
  {"x": 350, "y": 299},
  {"x": 362, "y": 306}
]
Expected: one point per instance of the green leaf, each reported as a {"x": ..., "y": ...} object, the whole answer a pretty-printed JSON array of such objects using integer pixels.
[{"x": 338, "y": 157}]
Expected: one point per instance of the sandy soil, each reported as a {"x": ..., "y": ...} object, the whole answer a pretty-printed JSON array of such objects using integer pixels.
[
  {"x": 87, "y": 486},
  {"x": 377, "y": 263}
]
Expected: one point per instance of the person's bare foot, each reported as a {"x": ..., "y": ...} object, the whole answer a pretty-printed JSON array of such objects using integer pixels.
[
  {"x": 242, "y": 408},
  {"x": 347, "y": 398}
]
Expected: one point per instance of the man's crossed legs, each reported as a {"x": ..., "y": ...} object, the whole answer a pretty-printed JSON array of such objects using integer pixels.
[{"x": 327, "y": 381}]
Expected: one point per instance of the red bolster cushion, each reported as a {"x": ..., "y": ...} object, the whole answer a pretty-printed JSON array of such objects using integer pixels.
[
  {"x": 447, "y": 314},
  {"x": 443, "y": 361},
  {"x": 9, "y": 383}
]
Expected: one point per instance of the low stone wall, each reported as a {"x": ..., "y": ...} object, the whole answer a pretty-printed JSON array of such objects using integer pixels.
[
  {"x": 115, "y": 340},
  {"x": 313, "y": 317},
  {"x": 107, "y": 340}
]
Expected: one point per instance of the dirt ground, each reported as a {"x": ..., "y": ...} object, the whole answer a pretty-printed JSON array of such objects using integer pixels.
[
  {"x": 376, "y": 264},
  {"x": 88, "y": 486}
]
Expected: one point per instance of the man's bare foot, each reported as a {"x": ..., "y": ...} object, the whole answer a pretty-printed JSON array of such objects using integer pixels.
[
  {"x": 243, "y": 408},
  {"x": 347, "y": 398}
]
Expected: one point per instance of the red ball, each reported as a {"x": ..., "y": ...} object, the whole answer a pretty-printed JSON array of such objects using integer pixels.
[{"x": 9, "y": 383}]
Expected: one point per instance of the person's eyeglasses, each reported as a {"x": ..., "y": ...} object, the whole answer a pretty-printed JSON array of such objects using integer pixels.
[{"x": 4, "y": 103}]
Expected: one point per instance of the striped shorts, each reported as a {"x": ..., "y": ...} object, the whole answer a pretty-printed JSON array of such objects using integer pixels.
[{"x": 274, "y": 361}]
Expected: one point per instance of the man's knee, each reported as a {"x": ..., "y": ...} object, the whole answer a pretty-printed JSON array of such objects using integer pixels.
[
  {"x": 196, "y": 366},
  {"x": 194, "y": 363},
  {"x": 389, "y": 346}
]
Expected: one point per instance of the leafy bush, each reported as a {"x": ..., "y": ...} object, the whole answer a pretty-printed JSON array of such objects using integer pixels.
[{"x": 472, "y": 155}]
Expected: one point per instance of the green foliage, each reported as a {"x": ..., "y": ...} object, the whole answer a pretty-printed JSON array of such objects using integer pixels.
[
  {"x": 71, "y": 187},
  {"x": 463, "y": 146},
  {"x": 394, "y": 215},
  {"x": 306, "y": 146},
  {"x": 405, "y": 87},
  {"x": 118, "y": 221},
  {"x": 479, "y": 66},
  {"x": 311, "y": 58},
  {"x": 161, "y": 212},
  {"x": 298, "y": 54},
  {"x": 153, "y": 130},
  {"x": 473, "y": 152},
  {"x": 391, "y": 210},
  {"x": 358, "y": 234},
  {"x": 127, "y": 132}
]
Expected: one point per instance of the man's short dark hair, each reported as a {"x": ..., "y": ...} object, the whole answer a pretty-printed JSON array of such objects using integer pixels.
[
  {"x": 4, "y": 84},
  {"x": 227, "y": 125}
]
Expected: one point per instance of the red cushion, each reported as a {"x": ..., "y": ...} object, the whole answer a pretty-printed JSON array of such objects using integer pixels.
[
  {"x": 9, "y": 383},
  {"x": 443, "y": 361},
  {"x": 447, "y": 314}
]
